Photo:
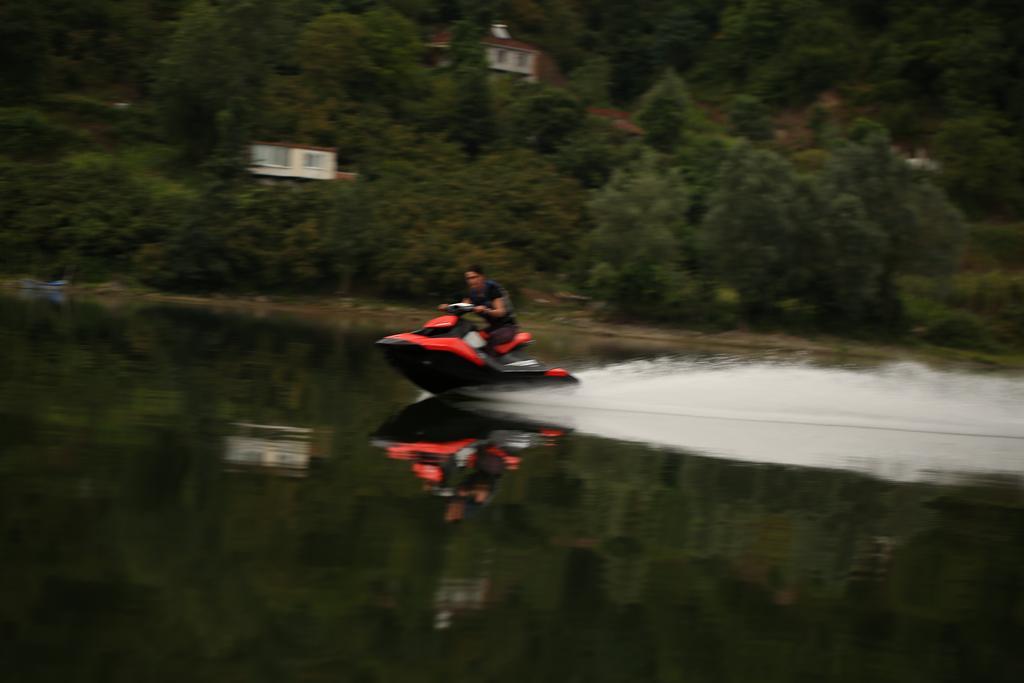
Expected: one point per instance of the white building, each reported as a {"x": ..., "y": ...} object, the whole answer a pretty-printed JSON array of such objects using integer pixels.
[
  {"x": 285, "y": 160},
  {"x": 502, "y": 52}
]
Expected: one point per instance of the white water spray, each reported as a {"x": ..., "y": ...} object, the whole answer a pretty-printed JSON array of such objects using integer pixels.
[{"x": 900, "y": 421}]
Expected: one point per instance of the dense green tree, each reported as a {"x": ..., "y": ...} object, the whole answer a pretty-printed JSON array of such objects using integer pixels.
[
  {"x": 88, "y": 218},
  {"x": 923, "y": 232},
  {"x": 680, "y": 35},
  {"x": 750, "y": 118},
  {"x": 508, "y": 210},
  {"x": 699, "y": 160},
  {"x": 590, "y": 82},
  {"x": 542, "y": 117},
  {"x": 203, "y": 75},
  {"x": 593, "y": 152},
  {"x": 632, "y": 61},
  {"x": 333, "y": 57},
  {"x": 759, "y": 234},
  {"x": 374, "y": 57},
  {"x": 641, "y": 240},
  {"x": 751, "y": 31},
  {"x": 27, "y": 134},
  {"x": 819, "y": 51},
  {"x": 848, "y": 284},
  {"x": 24, "y": 58},
  {"x": 981, "y": 164},
  {"x": 662, "y": 112},
  {"x": 975, "y": 59},
  {"x": 472, "y": 121}
]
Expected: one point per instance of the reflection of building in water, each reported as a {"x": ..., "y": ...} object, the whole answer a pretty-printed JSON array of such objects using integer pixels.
[
  {"x": 455, "y": 596},
  {"x": 278, "y": 449}
]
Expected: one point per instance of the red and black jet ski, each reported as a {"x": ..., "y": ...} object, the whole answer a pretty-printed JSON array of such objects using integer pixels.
[{"x": 448, "y": 353}]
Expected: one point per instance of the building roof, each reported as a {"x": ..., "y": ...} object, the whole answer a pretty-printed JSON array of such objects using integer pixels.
[
  {"x": 444, "y": 39},
  {"x": 293, "y": 145}
]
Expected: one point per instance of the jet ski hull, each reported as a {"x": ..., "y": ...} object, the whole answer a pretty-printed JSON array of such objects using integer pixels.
[{"x": 443, "y": 365}]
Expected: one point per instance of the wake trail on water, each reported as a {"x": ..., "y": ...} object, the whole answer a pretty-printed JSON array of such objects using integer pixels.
[{"x": 900, "y": 421}]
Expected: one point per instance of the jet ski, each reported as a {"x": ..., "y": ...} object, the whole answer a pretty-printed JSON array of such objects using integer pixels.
[{"x": 448, "y": 353}]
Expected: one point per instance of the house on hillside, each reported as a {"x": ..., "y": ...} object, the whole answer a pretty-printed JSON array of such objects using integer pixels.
[
  {"x": 287, "y": 161},
  {"x": 504, "y": 54}
]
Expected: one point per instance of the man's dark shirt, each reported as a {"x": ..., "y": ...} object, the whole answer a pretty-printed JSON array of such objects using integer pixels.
[{"x": 486, "y": 296}]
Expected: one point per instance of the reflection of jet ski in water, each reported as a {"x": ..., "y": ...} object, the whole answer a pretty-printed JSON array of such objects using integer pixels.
[
  {"x": 457, "y": 454},
  {"x": 448, "y": 353}
]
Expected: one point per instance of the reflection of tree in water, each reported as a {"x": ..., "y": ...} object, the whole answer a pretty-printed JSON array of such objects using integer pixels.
[{"x": 812, "y": 537}]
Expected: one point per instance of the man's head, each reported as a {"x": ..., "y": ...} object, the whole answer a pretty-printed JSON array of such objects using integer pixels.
[{"x": 474, "y": 276}]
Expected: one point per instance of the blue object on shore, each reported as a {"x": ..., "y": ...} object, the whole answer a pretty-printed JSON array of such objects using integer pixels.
[{"x": 38, "y": 284}]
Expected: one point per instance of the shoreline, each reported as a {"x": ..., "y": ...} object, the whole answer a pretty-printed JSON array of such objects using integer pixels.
[{"x": 541, "y": 316}]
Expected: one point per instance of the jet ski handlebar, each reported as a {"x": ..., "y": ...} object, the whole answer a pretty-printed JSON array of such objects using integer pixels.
[{"x": 459, "y": 308}]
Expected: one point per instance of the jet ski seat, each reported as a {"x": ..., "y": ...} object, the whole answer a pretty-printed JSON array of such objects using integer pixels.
[{"x": 521, "y": 339}]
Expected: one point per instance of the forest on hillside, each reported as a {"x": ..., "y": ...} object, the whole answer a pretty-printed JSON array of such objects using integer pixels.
[{"x": 851, "y": 166}]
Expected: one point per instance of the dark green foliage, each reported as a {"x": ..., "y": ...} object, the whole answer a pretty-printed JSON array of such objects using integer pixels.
[
  {"x": 997, "y": 246},
  {"x": 982, "y": 165},
  {"x": 924, "y": 233},
  {"x": 662, "y": 112},
  {"x": 760, "y": 234},
  {"x": 834, "y": 247},
  {"x": 996, "y": 298},
  {"x": 370, "y": 58},
  {"x": 679, "y": 37},
  {"x": 201, "y": 76},
  {"x": 632, "y": 63},
  {"x": 292, "y": 238},
  {"x": 849, "y": 286},
  {"x": 699, "y": 161},
  {"x": 24, "y": 59},
  {"x": 642, "y": 241},
  {"x": 457, "y": 160},
  {"x": 543, "y": 117},
  {"x": 509, "y": 210},
  {"x": 819, "y": 51},
  {"x": 593, "y": 152},
  {"x": 88, "y": 219},
  {"x": 27, "y": 134},
  {"x": 959, "y": 329},
  {"x": 590, "y": 82},
  {"x": 472, "y": 122},
  {"x": 750, "y": 118}
]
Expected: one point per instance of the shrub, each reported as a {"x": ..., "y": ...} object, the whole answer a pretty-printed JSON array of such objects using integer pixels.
[
  {"x": 958, "y": 329},
  {"x": 27, "y": 134}
]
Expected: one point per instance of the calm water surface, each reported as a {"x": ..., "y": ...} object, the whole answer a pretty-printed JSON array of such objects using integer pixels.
[{"x": 194, "y": 496}]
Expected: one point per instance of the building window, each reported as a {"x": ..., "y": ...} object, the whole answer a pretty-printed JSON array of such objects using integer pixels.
[
  {"x": 269, "y": 155},
  {"x": 313, "y": 160},
  {"x": 523, "y": 58},
  {"x": 501, "y": 57}
]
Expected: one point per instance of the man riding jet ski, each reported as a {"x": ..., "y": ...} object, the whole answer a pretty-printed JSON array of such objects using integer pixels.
[{"x": 449, "y": 353}]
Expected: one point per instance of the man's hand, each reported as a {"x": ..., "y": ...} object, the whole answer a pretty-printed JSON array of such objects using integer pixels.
[
  {"x": 479, "y": 309},
  {"x": 442, "y": 307}
]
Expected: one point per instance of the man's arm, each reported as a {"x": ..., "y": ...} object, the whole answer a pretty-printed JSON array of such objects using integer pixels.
[{"x": 497, "y": 309}]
